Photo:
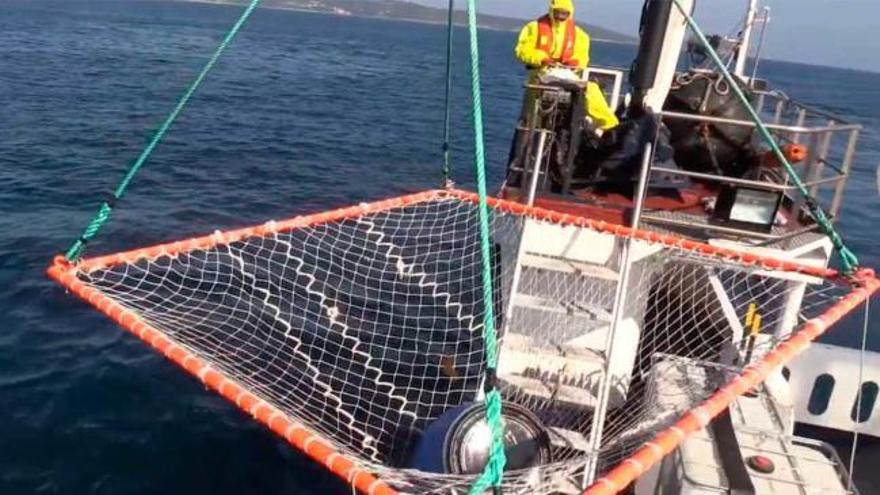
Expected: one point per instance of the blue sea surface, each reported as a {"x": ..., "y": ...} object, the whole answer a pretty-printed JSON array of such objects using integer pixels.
[{"x": 305, "y": 112}]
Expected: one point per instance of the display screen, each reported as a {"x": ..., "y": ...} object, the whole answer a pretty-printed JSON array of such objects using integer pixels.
[{"x": 753, "y": 206}]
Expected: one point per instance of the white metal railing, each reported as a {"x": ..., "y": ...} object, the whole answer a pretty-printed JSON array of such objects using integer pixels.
[{"x": 831, "y": 140}]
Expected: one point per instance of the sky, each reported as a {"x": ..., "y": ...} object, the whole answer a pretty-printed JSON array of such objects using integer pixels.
[{"x": 839, "y": 33}]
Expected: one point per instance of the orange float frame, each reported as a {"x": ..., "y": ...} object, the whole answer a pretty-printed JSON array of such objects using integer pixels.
[{"x": 321, "y": 450}]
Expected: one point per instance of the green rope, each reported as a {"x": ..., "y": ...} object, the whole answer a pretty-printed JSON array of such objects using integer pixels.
[
  {"x": 492, "y": 474},
  {"x": 447, "y": 114},
  {"x": 848, "y": 259},
  {"x": 76, "y": 250}
]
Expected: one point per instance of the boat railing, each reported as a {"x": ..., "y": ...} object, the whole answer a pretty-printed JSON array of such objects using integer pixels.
[{"x": 830, "y": 143}]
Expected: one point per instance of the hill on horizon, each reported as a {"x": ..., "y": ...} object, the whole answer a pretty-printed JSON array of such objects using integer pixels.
[{"x": 411, "y": 11}]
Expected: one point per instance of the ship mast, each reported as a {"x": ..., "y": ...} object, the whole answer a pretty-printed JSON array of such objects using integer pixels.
[
  {"x": 745, "y": 40},
  {"x": 662, "y": 32}
]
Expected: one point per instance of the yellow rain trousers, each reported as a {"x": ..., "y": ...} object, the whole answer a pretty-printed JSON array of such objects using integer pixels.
[{"x": 529, "y": 54}]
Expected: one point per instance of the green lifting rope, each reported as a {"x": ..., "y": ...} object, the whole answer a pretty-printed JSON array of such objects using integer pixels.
[
  {"x": 492, "y": 474},
  {"x": 848, "y": 259},
  {"x": 76, "y": 250}
]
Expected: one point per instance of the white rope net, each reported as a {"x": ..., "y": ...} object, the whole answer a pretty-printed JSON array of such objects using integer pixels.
[{"x": 368, "y": 328}]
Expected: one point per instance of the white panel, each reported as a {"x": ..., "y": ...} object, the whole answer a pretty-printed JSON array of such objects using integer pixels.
[
  {"x": 672, "y": 43},
  {"x": 569, "y": 242},
  {"x": 842, "y": 364}
]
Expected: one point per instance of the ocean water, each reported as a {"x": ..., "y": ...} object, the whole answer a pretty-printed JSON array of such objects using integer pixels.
[{"x": 304, "y": 113}]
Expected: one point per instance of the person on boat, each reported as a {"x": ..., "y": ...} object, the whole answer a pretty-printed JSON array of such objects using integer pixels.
[{"x": 554, "y": 39}]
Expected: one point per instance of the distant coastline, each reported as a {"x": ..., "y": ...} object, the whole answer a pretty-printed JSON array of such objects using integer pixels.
[{"x": 398, "y": 10}]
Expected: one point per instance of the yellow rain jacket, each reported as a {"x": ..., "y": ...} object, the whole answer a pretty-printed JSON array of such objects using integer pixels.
[{"x": 566, "y": 43}]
